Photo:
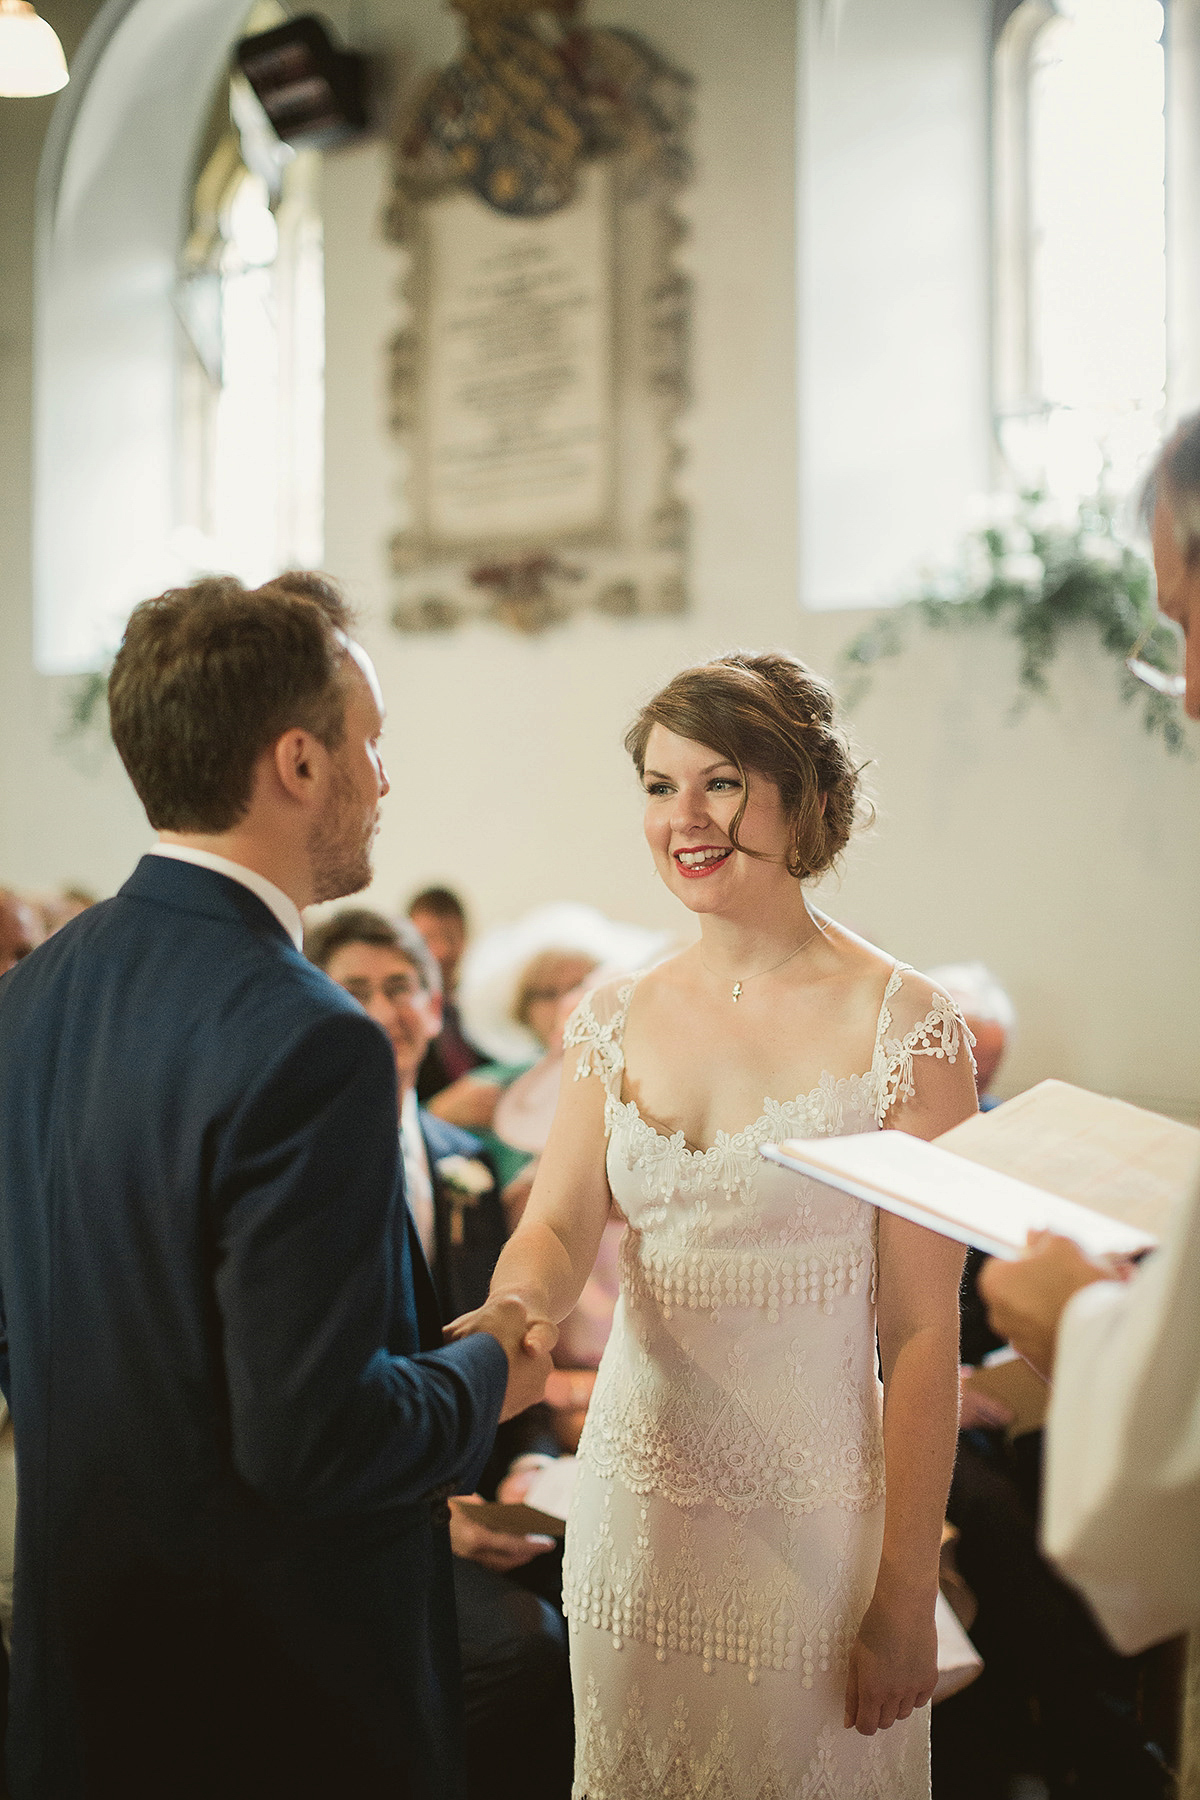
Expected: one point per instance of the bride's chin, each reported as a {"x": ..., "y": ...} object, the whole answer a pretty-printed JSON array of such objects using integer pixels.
[{"x": 697, "y": 897}]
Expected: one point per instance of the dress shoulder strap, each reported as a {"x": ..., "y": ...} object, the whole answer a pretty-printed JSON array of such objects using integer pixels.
[
  {"x": 597, "y": 1029},
  {"x": 903, "y": 1034}
]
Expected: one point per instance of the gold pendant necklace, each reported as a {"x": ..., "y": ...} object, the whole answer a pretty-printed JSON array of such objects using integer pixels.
[{"x": 740, "y": 983}]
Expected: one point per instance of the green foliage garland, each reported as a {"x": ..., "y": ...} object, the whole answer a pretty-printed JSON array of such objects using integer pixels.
[{"x": 1041, "y": 574}]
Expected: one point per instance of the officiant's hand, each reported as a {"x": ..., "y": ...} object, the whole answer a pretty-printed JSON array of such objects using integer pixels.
[
  {"x": 1025, "y": 1299},
  {"x": 526, "y": 1341},
  {"x": 893, "y": 1666}
]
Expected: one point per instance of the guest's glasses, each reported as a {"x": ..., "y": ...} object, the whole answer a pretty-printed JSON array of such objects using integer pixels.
[{"x": 1173, "y": 686}]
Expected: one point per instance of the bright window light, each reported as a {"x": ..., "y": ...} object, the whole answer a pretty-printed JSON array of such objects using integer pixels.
[{"x": 1097, "y": 248}]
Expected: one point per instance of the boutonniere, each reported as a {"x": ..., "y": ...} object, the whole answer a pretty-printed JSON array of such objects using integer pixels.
[{"x": 466, "y": 1180}]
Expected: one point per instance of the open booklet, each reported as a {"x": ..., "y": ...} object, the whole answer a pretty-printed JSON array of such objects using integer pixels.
[{"x": 1057, "y": 1158}]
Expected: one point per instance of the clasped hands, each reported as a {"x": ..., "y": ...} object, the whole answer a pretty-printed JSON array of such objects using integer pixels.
[{"x": 525, "y": 1339}]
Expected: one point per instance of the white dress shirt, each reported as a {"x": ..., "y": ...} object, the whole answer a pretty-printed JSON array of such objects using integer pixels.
[
  {"x": 284, "y": 908},
  {"x": 418, "y": 1180},
  {"x": 1121, "y": 1509}
]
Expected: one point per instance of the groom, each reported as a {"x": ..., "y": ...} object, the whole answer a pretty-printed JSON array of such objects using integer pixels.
[{"x": 236, "y": 1423}]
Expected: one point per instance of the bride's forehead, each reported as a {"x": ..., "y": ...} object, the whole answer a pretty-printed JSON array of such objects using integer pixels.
[{"x": 666, "y": 750}]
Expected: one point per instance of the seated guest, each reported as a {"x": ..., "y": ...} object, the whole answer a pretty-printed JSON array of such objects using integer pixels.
[
  {"x": 990, "y": 1016},
  {"x": 441, "y": 919},
  {"x": 512, "y": 1640},
  {"x": 1052, "y": 1695},
  {"x": 515, "y": 982},
  {"x": 59, "y": 909},
  {"x": 19, "y": 930},
  {"x": 549, "y": 978}
]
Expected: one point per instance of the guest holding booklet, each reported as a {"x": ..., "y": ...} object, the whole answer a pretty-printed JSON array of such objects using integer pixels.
[{"x": 1121, "y": 1512}]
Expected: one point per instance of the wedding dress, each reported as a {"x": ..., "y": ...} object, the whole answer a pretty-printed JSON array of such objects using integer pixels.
[{"x": 726, "y": 1527}]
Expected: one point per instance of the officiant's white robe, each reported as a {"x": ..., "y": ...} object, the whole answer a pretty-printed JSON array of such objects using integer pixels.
[
  {"x": 1121, "y": 1495},
  {"x": 1121, "y": 1511}
]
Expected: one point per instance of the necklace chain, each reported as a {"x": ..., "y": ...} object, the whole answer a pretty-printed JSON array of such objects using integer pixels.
[{"x": 740, "y": 984}]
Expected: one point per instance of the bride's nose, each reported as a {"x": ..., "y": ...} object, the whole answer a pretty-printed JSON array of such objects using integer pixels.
[{"x": 690, "y": 810}]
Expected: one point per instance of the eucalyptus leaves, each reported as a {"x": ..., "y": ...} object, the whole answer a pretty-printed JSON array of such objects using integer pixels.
[{"x": 1040, "y": 572}]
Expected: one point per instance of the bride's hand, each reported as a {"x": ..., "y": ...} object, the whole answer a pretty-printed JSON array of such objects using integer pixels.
[
  {"x": 508, "y": 1318},
  {"x": 893, "y": 1666}
]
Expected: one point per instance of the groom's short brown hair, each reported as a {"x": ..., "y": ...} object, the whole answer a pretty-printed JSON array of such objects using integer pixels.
[{"x": 208, "y": 676}]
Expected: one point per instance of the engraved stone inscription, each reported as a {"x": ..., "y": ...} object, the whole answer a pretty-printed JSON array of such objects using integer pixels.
[{"x": 517, "y": 401}]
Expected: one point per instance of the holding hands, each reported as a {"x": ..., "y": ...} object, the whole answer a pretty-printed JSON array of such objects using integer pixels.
[{"x": 525, "y": 1339}]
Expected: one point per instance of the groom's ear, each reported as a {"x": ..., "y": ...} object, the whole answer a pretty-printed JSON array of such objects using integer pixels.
[{"x": 293, "y": 765}]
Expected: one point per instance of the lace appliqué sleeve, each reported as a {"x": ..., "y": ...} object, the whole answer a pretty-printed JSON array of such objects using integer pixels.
[
  {"x": 597, "y": 1037},
  {"x": 942, "y": 1034}
]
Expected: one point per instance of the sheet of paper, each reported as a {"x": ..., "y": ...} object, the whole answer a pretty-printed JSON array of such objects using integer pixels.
[
  {"x": 967, "y": 1201},
  {"x": 551, "y": 1488},
  {"x": 518, "y": 1520},
  {"x": 1117, "y": 1159}
]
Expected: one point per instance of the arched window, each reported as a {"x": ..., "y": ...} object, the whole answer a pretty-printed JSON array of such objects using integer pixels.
[
  {"x": 1080, "y": 251},
  {"x": 146, "y": 334},
  {"x": 251, "y": 299}
]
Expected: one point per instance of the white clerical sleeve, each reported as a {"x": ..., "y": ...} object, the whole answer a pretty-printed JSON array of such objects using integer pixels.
[{"x": 1121, "y": 1509}]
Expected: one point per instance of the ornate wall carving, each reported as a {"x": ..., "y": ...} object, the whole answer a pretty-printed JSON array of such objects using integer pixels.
[{"x": 542, "y": 362}]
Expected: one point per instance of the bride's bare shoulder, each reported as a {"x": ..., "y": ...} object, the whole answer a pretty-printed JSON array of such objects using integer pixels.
[
  {"x": 860, "y": 962},
  {"x": 875, "y": 972}
]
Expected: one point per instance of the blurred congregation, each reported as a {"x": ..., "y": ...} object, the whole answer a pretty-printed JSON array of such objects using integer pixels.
[{"x": 829, "y": 317}]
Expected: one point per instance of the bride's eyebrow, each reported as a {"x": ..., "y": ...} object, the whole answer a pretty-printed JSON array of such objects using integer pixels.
[{"x": 657, "y": 774}]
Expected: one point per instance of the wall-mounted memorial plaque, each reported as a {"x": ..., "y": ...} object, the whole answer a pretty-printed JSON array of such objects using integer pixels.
[
  {"x": 516, "y": 416},
  {"x": 538, "y": 376}
]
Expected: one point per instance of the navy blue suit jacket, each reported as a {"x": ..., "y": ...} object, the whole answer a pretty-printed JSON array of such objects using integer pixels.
[{"x": 234, "y": 1432}]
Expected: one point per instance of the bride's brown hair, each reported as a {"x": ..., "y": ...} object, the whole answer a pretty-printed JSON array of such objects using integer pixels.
[{"x": 770, "y": 713}]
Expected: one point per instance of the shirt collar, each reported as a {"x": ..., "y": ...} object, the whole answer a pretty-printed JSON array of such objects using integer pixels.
[{"x": 281, "y": 904}]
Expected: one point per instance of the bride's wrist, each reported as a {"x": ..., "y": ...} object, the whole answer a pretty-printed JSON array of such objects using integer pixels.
[{"x": 899, "y": 1588}]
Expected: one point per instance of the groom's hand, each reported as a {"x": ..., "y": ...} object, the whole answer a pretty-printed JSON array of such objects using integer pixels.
[{"x": 526, "y": 1341}]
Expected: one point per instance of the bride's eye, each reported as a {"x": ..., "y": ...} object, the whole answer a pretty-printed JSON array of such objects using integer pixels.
[
  {"x": 725, "y": 781},
  {"x": 658, "y": 788}
]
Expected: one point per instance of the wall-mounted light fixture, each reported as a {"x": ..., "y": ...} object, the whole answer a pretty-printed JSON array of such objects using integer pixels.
[{"x": 31, "y": 57}]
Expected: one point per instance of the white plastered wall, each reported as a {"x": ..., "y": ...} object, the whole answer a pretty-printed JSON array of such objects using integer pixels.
[{"x": 1063, "y": 849}]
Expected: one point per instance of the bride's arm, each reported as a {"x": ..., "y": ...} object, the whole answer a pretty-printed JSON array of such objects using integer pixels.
[
  {"x": 553, "y": 1250},
  {"x": 893, "y": 1666}
]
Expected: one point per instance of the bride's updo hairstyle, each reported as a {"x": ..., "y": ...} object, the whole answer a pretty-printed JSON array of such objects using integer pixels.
[{"x": 770, "y": 713}]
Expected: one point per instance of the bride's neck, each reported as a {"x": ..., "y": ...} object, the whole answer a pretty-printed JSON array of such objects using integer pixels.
[{"x": 738, "y": 946}]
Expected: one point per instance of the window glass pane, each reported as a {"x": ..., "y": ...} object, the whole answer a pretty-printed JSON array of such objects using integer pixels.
[{"x": 1097, "y": 244}]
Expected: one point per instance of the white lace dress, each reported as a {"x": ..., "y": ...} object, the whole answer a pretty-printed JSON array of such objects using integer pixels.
[{"x": 725, "y": 1533}]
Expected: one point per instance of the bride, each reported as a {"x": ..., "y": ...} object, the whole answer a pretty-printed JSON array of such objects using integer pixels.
[{"x": 749, "y": 1616}]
